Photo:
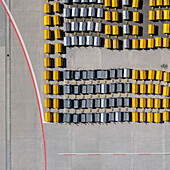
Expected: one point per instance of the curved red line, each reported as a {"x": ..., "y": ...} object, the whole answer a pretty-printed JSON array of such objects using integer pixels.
[{"x": 42, "y": 127}]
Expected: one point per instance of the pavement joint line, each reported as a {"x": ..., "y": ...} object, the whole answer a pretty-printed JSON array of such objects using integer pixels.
[
  {"x": 8, "y": 93},
  {"x": 8, "y": 116}
]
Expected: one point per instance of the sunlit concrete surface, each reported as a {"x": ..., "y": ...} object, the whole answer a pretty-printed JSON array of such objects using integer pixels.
[{"x": 26, "y": 142}]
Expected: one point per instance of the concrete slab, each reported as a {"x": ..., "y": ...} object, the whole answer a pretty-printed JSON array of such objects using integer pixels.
[
  {"x": 148, "y": 162},
  {"x": 167, "y": 162},
  {"x": 27, "y": 155},
  {"x": 27, "y": 146},
  {"x": 77, "y": 58},
  {"x": 86, "y": 162},
  {"x": 2, "y": 91},
  {"x": 2, "y": 28},
  {"x": 118, "y": 162},
  {"x": 58, "y": 139},
  {"x": 147, "y": 130},
  {"x": 147, "y": 145},
  {"x": 2, "y": 104},
  {"x": 2, "y": 151},
  {"x": 117, "y": 145}
]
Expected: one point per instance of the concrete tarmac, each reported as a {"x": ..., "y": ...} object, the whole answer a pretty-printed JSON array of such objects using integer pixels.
[
  {"x": 112, "y": 138},
  {"x": 2, "y": 89},
  {"x": 26, "y": 140},
  {"x": 26, "y": 137}
]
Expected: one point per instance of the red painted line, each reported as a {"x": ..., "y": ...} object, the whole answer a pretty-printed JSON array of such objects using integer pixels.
[
  {"x": 118, "y": 154},
  {"x": 144, "y": 154},
  {"x": 42, "y": 127},
  {"x": 69, "y": 154},
  {"x": 167, "y": 154},
  {"x": 94, "y": 154}
]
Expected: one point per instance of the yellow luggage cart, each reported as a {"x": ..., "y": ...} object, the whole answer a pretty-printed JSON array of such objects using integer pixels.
[
  {"x": 135, "y": 117},
  {"x": 157, "y": 103},
  {"x": 56, "y": 117},
  {"x": 166, "y": 14},
  {"x": 56, "y": 75},
  {"x": 135, "y": 88},
  {"x": 152, "y": 3},
  {"x": 159, "y": 75},
  {"x": 165, "y": 116},
  {"x": 151, "y": 74},
  {"x": 59, "y": 62},
  {"x": 150, "y": 88},
  {"x": 107, "y": 3},
  {"x": 108, "y": 43},
  {"x": 57, "y": 34},
  {"x": 166, "y": 28},
  {"x": 115, "y": 44},
  {"x": 56, "y": 7},
  {"x": 108, "y": 15},
  {"x": 143, "y": 74},
  {"x": 48, "y": 117},
  {"x": 158, "y": 42},
  {"x": 136, "y": 16},
  {"x": 158, "y": 89},
  {"x": 157, "y": 117},
  {"x": 135, "y": 3},
  {"x": 165, "y": 103},
  {"x": 159, "y": 2},
  {"x": 56, "y": 89},
  {"x": 159, "y": 14},
  {"x": 56, "y": 20},
  {"x": 47, "y": 62},
  {"x": 149, "y": 117},
  {"x": 166, "y": 42},
  {"x": 47, "y": 48},
  {"x": 115, "y": 3},
  {"x": 142, "y": 102},
  {"x": 115, "y": 16},
  {"x": 47, "y": 103},
  {"x": 135, "y": 102},
  {"x": 151, "y": 29},
  {"x": 143, "y": 43},
  {"x": 166, "y": 3},
  {"x": 108, "y": 29},
  {"x": 56, "y": 104},
  {"x": 47, "y": 34},
  {"x": 166, "y": 76},
  {"x": 165, "y": 91},
  {"x": 47, "y": 75},
  {"x": 47, "y": 20},
  {"x": 152, "y": 15},
  {"x": 59, "y": 47},
  {"x": 143, "y": 88},
  {"x": 149, "y": 102},
  {"x": 135, "y": 74},
  {"x": 47, "y": 8},
  {"x": 135, "y": 44},
  {"x": 151, "y": 43},
  {"x": 47, "y": 88},
  {"x": 115, "y": 30},
  {"x": 135, "y": 30},
  {"x": 142, "y": 117}
]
